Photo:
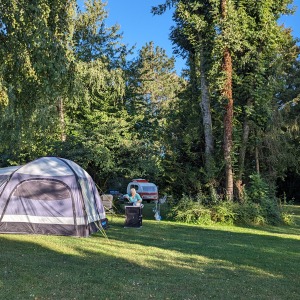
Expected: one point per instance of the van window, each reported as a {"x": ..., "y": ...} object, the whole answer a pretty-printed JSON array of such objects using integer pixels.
[
  {"x": 134, "y": 186},
  {"x": 149, "y": 188}
]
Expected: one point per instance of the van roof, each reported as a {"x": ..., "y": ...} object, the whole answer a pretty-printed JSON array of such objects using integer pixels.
[
  {"x": 139, "y": 180},
  {"x": 142, "y": 183}
]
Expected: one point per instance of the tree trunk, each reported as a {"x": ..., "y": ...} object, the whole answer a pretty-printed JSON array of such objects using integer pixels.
[
  {"x": 257, "y": 160},
  {"x": 239, "y": 180},
  {"x": 228, "y": 120},
  {"x": 206, "y": 114},
  {"x": 61, "y": 114}
]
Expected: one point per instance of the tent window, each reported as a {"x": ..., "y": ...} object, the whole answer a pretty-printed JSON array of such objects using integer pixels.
[{"x": 42, "y": 190}]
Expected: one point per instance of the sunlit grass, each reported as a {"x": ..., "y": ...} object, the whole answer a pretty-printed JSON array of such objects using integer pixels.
[{"x": 162, "y": 260}]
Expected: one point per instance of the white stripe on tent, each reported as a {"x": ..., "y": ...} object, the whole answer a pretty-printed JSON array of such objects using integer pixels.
[{"x": 43, "y": 220}]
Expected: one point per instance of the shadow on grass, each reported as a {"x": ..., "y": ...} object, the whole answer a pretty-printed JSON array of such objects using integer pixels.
[
  {"x": 246, "y": 249},
  {"x": 162, "y": 260},
  {"x": 289, "y": 230}
]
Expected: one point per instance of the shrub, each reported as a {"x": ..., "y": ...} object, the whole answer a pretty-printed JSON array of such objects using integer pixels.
[
  {"x": 193, "y": 211},
  {"x": 195, "y": 214},
  {"x": 247, "y": 213},
  {"x": 260, "y": 206},
  {"x": 259, "y": 190},
  {"x": 223, "y": 213},
  {"x": 189, "y": 211}
]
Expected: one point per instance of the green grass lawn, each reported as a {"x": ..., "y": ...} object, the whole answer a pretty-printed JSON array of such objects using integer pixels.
[{"x": 162, "y": 260}]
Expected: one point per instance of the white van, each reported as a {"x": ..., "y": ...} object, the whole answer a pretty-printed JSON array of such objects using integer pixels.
[{"x": 147, "y": 190}]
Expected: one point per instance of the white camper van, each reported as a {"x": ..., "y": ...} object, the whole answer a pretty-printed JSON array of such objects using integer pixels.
[{"x": 147, "y": 190}]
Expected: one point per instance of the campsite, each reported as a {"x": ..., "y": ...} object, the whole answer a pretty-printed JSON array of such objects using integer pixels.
[
  {"x": 162, "y": 260},
  {"x": 149, "y": 149},
  {"x": 61, "y": 239}
]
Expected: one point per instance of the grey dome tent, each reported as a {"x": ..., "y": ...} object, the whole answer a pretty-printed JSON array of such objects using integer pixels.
[{"x": 49, "y": 195}]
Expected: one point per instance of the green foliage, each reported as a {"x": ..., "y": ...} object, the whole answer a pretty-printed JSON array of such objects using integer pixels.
[
  {"x": 267, "y": 213},
  {"x": 249, "y": 213},
  {"x": 36, "y": 56},
  {"x": 94, "y": 40},
  {"x": 189, "y": 211},
  {"x": 223, "y": 213},
  {"x": 196, "y": 211},
  {"x": 126, "y": 119},
  {"x": 31, "y": 53},
  {"x": 262, "y": 51},
  {"x": 287, "y": 218},
  {"x": 152, "y": 87},
  {"x": 260, "y": 207},
  {"x": 3, "y": 93},
  {"x": 259, "y": 191}
]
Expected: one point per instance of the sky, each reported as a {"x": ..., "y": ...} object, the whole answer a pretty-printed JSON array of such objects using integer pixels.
[{"x": 139, "y": 26}]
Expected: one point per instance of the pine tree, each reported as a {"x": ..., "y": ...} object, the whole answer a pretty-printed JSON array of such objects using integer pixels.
[{"x": 152, "y": 85}]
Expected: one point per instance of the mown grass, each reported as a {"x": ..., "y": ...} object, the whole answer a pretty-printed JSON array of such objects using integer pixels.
[{"x": 162, "y": 260}]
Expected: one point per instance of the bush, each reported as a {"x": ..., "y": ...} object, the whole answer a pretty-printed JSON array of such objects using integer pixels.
[
  {"x": 223, "y": 213},
  {"x": 260, "y": 206},
  {"x": 189, "y": 211},
  {"x": 193, "y": 211},
  {"x": 287, "y": 218},
  {"x": 259, "y": 191},
  {"x": 247, "y": 213}
]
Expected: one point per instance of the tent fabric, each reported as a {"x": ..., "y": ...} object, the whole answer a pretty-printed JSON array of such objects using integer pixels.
[{"x": 49, "y": 195}]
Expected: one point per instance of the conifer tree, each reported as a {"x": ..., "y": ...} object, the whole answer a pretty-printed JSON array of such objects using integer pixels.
[{"x": 153, "y": 84}]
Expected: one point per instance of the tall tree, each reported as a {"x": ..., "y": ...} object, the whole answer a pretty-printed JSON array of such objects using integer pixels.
[
  {"x": 194, "y": 24},
  {"x": 35, "y": 47},
  {"x": 97, "y": 125},
  {"x": 227, "y": 94},
  {"x": 201, "y": 22},
  {"x": 267, "y": 49},
  {"x": 152, "y": 86},
  {"x": 93, "y": 39},
  {"x": 238, "y": 37}
]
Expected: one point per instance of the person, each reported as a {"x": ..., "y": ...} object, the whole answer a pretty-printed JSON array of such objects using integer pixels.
[{"x": 134, "y": 197}]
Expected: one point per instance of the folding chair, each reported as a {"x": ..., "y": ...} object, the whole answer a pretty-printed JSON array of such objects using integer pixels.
[{"x": 107, "y": 201}]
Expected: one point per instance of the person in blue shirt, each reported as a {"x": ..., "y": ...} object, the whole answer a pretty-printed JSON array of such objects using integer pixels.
[{"x": 134, "y": 197}]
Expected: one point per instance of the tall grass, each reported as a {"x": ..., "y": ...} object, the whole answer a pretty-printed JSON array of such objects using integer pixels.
[{"x": 162, "y": 260}]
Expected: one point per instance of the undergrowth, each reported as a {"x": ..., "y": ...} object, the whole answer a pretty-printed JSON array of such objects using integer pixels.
[{"x": 258, "y": 207}]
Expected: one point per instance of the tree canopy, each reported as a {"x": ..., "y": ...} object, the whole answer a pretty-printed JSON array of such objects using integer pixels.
[{"x": 68, "y": 88}]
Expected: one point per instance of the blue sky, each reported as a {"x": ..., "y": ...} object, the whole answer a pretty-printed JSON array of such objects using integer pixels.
[{"x": 139, "y": 26}]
